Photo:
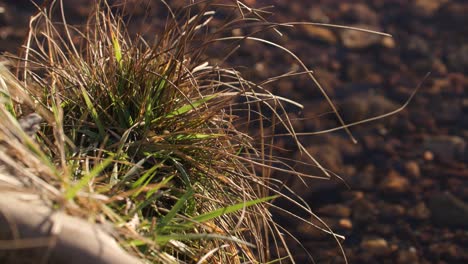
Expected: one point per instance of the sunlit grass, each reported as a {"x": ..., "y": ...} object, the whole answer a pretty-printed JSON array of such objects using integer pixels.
[{"x": 148, "y": 136}]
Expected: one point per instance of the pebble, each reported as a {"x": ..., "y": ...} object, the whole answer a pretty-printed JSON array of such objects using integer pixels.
[
  {"x": 412, "y": 169},
  {"x": 377, "y": 246},
  {"x": 321, "y": 33},
  {"x": 428, "y": 156},
  {"x": 427, "y": 8},
  {"x": 345, "y": 224},
  {"x": 408, "y": 256},
  {"x": 419, "y": 211},
  {"x": 317, "y": 15},
  {"x": 336, "y": 210},
  {"x": 394, "y": 183},
  {"x": 354, "y": 39}
]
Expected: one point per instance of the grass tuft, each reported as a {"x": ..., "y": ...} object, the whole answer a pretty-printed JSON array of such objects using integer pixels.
[{"x": 174, "y": 150}]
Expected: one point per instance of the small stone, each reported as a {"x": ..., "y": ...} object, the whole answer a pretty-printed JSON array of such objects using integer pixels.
[
  {"x": 427, "y": 8},
  {"x": 419, "y": 212},
  {"x": 377, "y": 246},
  {"x": 336, "y": 210},
  {"x": 321, "y": 34},
  {"x": 388, "y": 42},
  {"x": 345, "y": 223},
  {"x": 427, "y": 155},
  {"x": 439, "y": 85},
  {"x": 408, "y": 256},
  {"x": 412, "y": 169},
  {"x": 354, "y": 39},
  {"x": 394, "y": 183},
  {"x": 317, "y": 15},
  {"x": 237, "y": 32},
  {"x": 352, "y": 195}
]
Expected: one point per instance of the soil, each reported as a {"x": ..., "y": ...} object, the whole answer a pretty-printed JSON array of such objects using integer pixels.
[{"x": 406, "y": 194}]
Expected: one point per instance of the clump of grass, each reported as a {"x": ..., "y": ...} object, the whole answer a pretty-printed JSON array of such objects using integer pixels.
[{"x": 148, "y": 136}]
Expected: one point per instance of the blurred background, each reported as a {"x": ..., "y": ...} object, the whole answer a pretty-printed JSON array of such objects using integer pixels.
[{"x": 404, "y": 198}]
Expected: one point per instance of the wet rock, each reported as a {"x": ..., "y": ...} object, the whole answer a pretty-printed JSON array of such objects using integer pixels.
[
  {"x": 457, "y": 60},
  {"x": 376, "y": 246},
  {"x": 445, "y": 147},
  {"x": 321, "y": 34},
  {"x": 447, "y": 210},
  {"x": 419, "y": 212},
  {"x": 408, "y": 256},
  {"x": 412, "y": 169},
  {"x": 426, "y": 8},
  {"x": 354, "y": 39},
  {"x": 336, "y": 210},
  {"x": 394, "y": 183}
]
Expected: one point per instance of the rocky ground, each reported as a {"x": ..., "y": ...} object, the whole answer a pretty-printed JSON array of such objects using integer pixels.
[{"x": 407, "y": 194}]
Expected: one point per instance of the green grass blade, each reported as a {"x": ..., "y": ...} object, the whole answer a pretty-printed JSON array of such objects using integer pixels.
[
  {"x": 71, "y": 193},
  {"x": 180, "y": 168},
  {"x": 230, "y": 209},
  {"x": 185, "y": 108},
  {"x": 195, "y": 136},
  {"x": 94, "y": 113},
  {"x": 175, "y": 209},
  {"x": 117, "y": 51}
]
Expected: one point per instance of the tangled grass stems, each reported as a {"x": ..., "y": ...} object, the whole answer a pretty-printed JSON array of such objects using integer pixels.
[{"x": 154, "y": 138}]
